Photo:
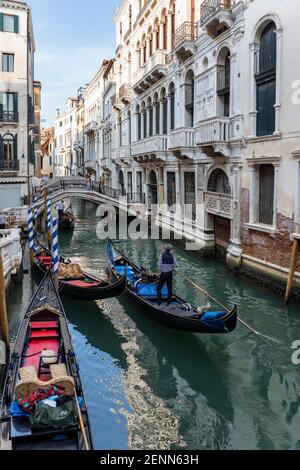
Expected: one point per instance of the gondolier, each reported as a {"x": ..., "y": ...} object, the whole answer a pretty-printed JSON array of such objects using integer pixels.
[
  {"x": 166, "y": 264},
  {"x": 60, "y": 209}
]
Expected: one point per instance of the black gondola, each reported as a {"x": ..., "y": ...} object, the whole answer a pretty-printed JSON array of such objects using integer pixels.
[
  {"x": 86, "y": 287},
  {"x": 180, "y": 315},
  {"x": 43, "y": 358},
  {"x": 67, "y": 220}
]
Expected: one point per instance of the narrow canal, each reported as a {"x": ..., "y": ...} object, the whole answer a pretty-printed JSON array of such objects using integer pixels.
[{"x": 149, "y": 387}]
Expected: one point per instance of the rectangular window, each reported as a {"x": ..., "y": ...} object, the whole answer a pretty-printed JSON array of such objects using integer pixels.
[
  {"x": 266, "y": 194},
  {"x": 8, "y": 62},
  {"x": 9, "y": 23},
  {"x": 171, "y": 189}
]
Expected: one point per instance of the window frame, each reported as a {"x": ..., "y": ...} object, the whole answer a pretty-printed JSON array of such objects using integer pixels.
[{"x": 6, "y": 61}]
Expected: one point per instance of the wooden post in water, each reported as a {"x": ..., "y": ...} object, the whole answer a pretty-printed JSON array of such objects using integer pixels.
[
  {"x": 3, "y": 309},
  {"x": 292, "y": 270}
]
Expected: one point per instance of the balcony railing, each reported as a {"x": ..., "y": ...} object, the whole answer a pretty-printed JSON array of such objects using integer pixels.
[
  {"x": 214, "y": 130},
  {"x": 150, "y": 145},
  {"x": 219, "y": 204},
  {"x": 181, "y": 138},
  {"x": 9, "y": 116},
  {"x": 211, "y": 7},
  {"x": 186, "y": 32},
  {"x": 11, "y": 165}
]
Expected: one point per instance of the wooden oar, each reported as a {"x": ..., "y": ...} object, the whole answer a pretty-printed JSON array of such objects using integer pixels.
[
  {"x": 81, "y": 422},
  {"x": 226, "y": 309},
  {"x": 202, "y": 290}
]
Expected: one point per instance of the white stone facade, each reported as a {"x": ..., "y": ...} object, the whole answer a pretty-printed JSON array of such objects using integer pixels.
[
  {"x": 199, "y": 108},
  {"x": 17, "y": 48}
]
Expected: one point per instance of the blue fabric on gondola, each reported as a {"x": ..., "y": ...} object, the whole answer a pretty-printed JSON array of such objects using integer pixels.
[
  {"x": 120, "y": 270},
  {"x": 150, "y": 290},
  {"x": 16, "y": 411},
  {"x": 214, "y": 320}
]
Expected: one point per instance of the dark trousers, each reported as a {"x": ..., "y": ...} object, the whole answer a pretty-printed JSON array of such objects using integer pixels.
[
  {"x": 60, "y": 214},
  {"x": 165, "y": 278}
]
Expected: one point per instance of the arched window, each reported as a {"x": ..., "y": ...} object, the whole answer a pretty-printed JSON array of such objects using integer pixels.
[
  {"x": 144, "y": 48},
  {"x": 8, "y": 148},
  {"x": 173, "y": 26},
  {"x": 223, "y": 82},
  {"x": 172, "y": 105},
  {"x": 144, "y": 114},
  {"x": 265, "y": 77},
  {"x": 139, "y": 54},
  {"x": 150, "y": 109},
  {"x": 150, "y": 39},
  {"x": 157, "y": 33},
  {"x": 120, "y": 131},
  {"x": 157, "y": 114},
  {"x": 129, "y": 127},
  {"x": 189, "y": 99},
  {"x": 139, "y": 123},
  {"x": 165, "y": 29},
  {"x": 218, "y": 182},
  {"x": 165, "y": 110}
]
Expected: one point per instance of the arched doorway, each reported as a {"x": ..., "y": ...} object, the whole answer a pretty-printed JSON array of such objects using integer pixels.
[
  {"x": 218, "y": 207},
  {"x": 152, "y": 188}
]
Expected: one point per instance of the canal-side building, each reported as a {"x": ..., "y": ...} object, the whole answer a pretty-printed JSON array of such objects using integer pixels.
[
  {"x": 17, "y": 151},
  {"x": 93, "y": 128},
  {"x": 207, "y": 106},
  {"x": 66, "y": 136},
  {"x": 47, "y": 151},
  {"x": 37, "y": 104}
]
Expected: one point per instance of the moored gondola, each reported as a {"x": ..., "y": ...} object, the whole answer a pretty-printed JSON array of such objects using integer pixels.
[
  {"x": 67, "y": 220},
  {"x": 180, "y": 315},
  {"x": 43, "y": 405},
  {"x": 76, "y": 283}
]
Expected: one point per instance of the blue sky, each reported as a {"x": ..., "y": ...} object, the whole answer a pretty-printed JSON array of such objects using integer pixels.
[{"x": 72, "y": 38}]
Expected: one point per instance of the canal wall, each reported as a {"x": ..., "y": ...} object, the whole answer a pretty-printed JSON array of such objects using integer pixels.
[{"x": 11, "y": 252}]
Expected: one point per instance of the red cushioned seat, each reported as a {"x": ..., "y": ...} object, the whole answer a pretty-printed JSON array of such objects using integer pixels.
[
  {"x": 41, "y": 325},
  {"x": 44, "y": 334}
]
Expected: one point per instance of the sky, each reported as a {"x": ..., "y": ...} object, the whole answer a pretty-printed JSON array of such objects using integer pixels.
[{"x": 72, "y": 39}]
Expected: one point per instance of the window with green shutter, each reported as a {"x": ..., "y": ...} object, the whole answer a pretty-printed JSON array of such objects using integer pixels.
[{"x": 9, "y": 23}]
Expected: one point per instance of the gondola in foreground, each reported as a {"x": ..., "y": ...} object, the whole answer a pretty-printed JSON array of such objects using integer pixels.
[
  {"x": 180, "y": 315},
  {"x": 43, "y": 405},
  {"x": 80, "y": 285}
]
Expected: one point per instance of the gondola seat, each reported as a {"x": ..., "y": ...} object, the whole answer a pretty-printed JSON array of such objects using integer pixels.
[
  {"x": 150, "y": 291},
  {"x": 25, "y": 387}
]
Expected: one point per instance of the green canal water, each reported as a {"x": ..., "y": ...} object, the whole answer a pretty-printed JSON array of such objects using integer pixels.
[{"x": 149, "y": 387}]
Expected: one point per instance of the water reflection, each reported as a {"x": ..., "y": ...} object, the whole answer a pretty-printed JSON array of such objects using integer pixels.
[{"x": 150, "y": 387}]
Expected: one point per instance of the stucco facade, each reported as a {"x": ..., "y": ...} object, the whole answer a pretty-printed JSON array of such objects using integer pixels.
[{"x": 17, "y": 48}]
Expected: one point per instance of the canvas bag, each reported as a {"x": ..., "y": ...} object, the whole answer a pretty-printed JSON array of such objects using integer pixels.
[{"x": 63, "y": 416}]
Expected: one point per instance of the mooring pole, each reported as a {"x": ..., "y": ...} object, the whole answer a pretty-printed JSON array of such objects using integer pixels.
[
  {"x": 30, "y": 234},
  {"x": 3, "y": 308},
  {"x": 49, "y": 222},
  {"x": 292, "y": 270},
  {"x": 55, "y": 250}
]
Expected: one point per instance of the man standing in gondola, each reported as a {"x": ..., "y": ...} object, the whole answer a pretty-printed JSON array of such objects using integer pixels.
[{"x": 166, "y": 265}]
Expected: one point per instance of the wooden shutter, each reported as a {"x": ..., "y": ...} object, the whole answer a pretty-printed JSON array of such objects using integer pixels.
[
  {"x": 16, "y": 24},
  {"x": 266, "y": 194},
  {"x": 1, "y": 102},
  {"x": 15, "y": 102},
  {"x": 16, "y": 147},
  {"x": 1, "y": 21},
  {"x": 266, "y": 97}
]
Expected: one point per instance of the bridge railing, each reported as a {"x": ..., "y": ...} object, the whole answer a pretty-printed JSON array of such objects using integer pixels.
[
  {"x": 136, "y": 198},
  {"x": 111, "y": 192}
]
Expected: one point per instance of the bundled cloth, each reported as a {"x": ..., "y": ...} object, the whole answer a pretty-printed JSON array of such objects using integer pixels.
[
  {"x": 70, "y": 271},
  {"x": 28, "y": 403}
]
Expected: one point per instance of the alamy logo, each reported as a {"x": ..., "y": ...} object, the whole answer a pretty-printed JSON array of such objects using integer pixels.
[
  {"x": 2, "y": 353},
  {"x": 296, "y": 353}
]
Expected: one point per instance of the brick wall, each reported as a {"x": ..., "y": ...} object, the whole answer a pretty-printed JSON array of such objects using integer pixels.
[{"x": 275, "y": 249}]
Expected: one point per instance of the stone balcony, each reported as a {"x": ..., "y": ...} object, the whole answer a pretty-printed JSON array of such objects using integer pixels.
[
  {"x": 184, "y": 43},
  {"x": 151, "y": 72},
  {"x": 219, "y": 204},
  {"x": 150, "y": 149},
  {"x": 213, "y": 136},
  {"x": 216, "y": 16},
  {"x": 121, "y": 155},
  {"x": 125, "y": 93},
  {"x": 90, "y": 127},
  {"x": 181, "y": 142}
]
